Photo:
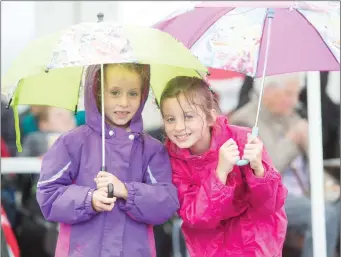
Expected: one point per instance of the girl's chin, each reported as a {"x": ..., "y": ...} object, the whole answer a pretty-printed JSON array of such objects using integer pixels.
[
  {"x": 183, "y": 144},
  {"x": 118, "y": 123}
]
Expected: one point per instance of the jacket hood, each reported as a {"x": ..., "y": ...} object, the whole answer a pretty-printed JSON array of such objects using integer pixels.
[
  {"x": 93, "y": 116},
  {"x": 220, "y": 131}
]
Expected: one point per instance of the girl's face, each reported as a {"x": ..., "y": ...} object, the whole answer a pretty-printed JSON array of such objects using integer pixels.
[
  {"x": 122, "y": 95},
  {"x": 186, "y": 125}
]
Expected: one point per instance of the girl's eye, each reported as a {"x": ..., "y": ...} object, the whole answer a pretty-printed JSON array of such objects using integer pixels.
[
  {"x": 188, "y": 117},
  {"x": 115, "y": 93},
  {"x": 133, "y": 94},
  {"x": 170, "y": 120}
]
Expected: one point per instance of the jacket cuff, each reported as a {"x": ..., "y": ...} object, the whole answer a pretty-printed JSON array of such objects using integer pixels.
[
  {"x": 269, "y": 174},
  {"x": 126, "y": 205},
  {"x": 88, "y": 202},
  {"x": 217, "y": 185}
]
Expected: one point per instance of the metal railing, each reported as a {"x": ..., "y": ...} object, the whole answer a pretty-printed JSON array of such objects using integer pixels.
[
  {"x": 21, "y": 165},
  {"x": 27, "y": 165}
]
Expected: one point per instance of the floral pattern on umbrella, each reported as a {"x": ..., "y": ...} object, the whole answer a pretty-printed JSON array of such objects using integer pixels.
[
  {"x": 328, "y": 25},
  {"x": 234, "y": 47},
  {"x": 92, "y": 43}
]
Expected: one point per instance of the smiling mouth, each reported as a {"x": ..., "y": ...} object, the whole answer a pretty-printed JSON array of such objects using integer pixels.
[
  {"x": 121, "y": 114},
  {"x": 183, "y": 137}
]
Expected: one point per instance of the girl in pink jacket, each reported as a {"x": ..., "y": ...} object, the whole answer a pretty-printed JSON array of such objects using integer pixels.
[{"x": 227, "y": 210}]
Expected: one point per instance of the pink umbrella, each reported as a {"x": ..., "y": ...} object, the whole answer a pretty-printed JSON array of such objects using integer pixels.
[
  {"x": 232, "y": 35},
  {"x": 260, "y": 38}
]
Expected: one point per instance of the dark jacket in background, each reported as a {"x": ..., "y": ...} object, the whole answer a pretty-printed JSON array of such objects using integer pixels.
[
  {"x": 330, "y": 119},
  {"x": 7, "y": 128}
]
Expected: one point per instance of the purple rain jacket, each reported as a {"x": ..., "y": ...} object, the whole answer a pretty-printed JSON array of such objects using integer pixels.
[{"x": 66, "y": 184}]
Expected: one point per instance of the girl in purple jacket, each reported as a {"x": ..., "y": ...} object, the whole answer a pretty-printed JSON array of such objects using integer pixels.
[{"x": 73, "y": 192}]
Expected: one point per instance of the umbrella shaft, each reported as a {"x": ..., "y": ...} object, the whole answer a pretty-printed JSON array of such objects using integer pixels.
[
  {"x": 270, "y": 17},
  {"x": 100, "y": 19},
  {"x": 102, "y": 116}
]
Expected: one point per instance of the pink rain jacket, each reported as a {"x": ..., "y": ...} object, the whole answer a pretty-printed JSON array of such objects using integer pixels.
[{"x": 244, "y": 218}]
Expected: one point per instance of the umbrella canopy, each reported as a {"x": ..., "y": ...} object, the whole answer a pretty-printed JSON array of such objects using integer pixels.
[
  {"x": 50, "y": 69},
  {"x": 305, "y": 36}
]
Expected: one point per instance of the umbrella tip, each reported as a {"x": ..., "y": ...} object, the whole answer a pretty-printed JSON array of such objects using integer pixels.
[{"x": 100, "y": 17}]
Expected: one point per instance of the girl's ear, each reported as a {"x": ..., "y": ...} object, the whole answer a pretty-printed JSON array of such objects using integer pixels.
[{"x": 213, "y": 117}]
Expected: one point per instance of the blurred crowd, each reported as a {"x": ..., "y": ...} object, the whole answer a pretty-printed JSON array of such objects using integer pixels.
[{"x": 283, "y": 126}]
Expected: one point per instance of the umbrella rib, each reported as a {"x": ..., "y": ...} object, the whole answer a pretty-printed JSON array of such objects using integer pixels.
[
  {"x": 260, "y": 45},
  {"x": 269, "y": 16}
]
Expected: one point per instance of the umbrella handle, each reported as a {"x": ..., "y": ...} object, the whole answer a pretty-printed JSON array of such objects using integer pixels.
[
  {"x": 245, "y": 162},
  {"x": 110, "y": 185},
  {"x": 110, "y": 190}
]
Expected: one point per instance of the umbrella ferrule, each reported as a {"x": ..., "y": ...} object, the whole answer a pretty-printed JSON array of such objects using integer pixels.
[
  {"x": 271, "y": 13},
  {"x": 100, "y": 17}
]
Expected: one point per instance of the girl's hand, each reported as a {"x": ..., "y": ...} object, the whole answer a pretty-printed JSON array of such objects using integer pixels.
[
  {"x": 104, "y": 178},
  {"x": 253, "y": 153},
  {"x": 100, "y": 202},
  {"x": 228, "y": 156}
]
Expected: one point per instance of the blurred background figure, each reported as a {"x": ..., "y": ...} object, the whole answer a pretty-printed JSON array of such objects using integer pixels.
[
  {"x": 330, "y": 117},
  {"x": 51, "y": 123},
  {"x": 30, "y": 120},
  {"x": 7, "y": 128},
  {"x": 8, "y": 149},
  {"x": 330, "y": 111}
]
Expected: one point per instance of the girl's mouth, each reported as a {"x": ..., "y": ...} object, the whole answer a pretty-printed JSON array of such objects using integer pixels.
[
  {"x": 182, "y": 137},
  {"x": 121, "y": 114}
]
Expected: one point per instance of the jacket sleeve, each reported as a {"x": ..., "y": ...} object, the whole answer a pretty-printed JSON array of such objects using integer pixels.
[
  {"x": 154, "y": 201},
  {"x": 266, "y": 194},
  {"x": 205, "y": 206},
  {"x": 60, "y": 200}
]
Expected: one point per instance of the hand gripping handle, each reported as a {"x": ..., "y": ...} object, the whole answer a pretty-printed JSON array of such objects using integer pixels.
[
  {"x": 110, "y": 185},
  {"x": 245, "y": 162}
]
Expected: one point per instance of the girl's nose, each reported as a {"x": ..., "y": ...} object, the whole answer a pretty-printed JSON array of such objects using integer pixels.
[
  {"x": 179, "y": 125},
  {"x": 123, "y": 100}
]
